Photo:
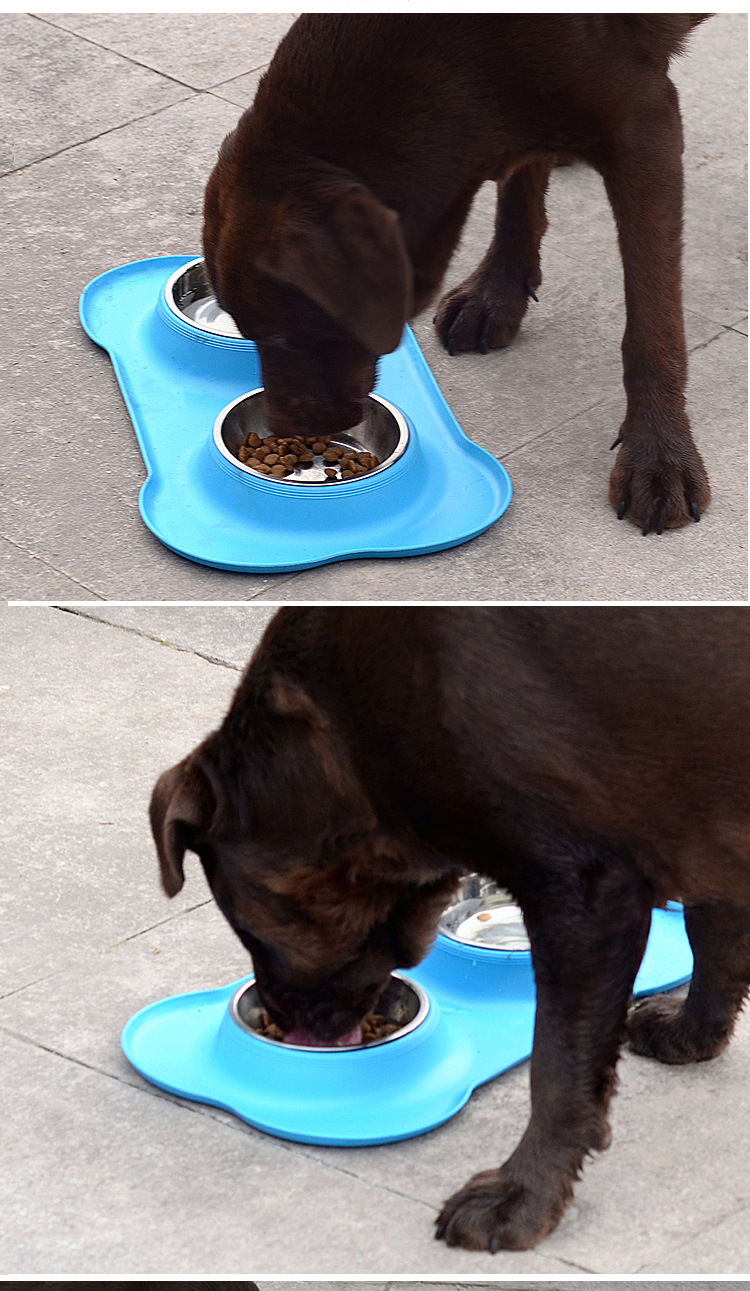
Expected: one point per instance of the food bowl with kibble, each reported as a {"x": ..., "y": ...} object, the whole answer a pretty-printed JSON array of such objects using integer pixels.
[
  {"x": 402, "y": 1008},
  {"x": 460, "y": 1018},
  {"x": 223, "y": 491},
  {"x": 411, "y": 1072},
  {"x": 242, "y": 437}
]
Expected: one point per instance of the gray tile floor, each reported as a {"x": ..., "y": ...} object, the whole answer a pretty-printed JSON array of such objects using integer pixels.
[
  {"x": 548, "y": 1285},
  {"x": 102, "y": 1174},
  {"x": 114, "y": 124}
]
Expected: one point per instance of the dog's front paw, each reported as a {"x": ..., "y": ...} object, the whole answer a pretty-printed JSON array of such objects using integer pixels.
[
  {"x": 497, "y": 1212},
  {"x": 660, "y": 1027},
  {"x": 659, "y": 486},
  {"x": 480, "y": 315}
]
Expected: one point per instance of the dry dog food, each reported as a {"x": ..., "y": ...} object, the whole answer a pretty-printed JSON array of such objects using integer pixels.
[
  {"x": 375, "y": 1027},
  {"x": 269, "y": 1029},
  {"x": 278, "y": 457}
]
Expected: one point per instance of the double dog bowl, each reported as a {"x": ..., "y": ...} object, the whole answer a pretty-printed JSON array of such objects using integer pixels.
[
  {"x": 464, "y": 1015},
  {"x": 192, "y": 385}
]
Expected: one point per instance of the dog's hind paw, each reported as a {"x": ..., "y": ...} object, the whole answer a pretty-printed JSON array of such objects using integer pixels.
[
  {"x": 660, "y": 1027},
  {"x": 658, "y": 486},
  {"x": 495, "y": 1212},
  {"x": 483, "y": 316}
]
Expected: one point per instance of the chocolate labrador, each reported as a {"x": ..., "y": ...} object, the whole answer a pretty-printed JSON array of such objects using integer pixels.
[
  {"x": 595, "y": 762},
  {"x": 337, "y": 202}
]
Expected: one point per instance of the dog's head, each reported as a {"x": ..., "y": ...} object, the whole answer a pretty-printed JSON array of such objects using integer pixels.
[
  {"x": 327, "y": 902},
  {"x": 314, "y": 269}
]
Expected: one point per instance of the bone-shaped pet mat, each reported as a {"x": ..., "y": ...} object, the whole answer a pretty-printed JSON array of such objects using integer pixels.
[
  {"x": 475, "y": 1020},
  {"x": 178, "y": 372}
]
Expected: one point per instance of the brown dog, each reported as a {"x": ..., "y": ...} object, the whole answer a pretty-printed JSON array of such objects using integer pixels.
[
  {"x": 338, "y": 200},
  {"x": 596, "y": 762}
]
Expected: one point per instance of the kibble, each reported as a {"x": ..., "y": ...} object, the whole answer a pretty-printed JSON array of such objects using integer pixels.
[
  {"x": 374, "y": 1028},
  {"x": 268, "y": 1028},
  {"x": 278, "y": 456}
]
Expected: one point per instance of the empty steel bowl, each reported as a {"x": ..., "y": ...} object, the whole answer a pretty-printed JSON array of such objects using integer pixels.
[
  {"x": 382, "y": 432},
  {"x": 403, "y": 1002},
  {"x": 485, "y": 914},
  {"x": 190, "y": 296}
]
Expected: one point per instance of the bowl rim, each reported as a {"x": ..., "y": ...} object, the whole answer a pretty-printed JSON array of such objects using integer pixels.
[
  {"x": 424, "y": 1006},
  {"x": 478, "y": 944},
  {"x": 399, "y": 450},
  {"x": 171, "y": 304}
]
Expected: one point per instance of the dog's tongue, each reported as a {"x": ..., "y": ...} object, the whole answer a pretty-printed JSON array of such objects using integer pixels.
[{"x": 298, "y": 1035}]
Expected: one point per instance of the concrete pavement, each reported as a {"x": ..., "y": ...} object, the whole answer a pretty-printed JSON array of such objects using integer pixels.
[
  {"x": 103, "y": 1175},
  {"x": 115, "y": 122}
]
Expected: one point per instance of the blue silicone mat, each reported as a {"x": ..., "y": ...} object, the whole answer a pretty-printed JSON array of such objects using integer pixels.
[
  {"x": 480, "y": 1023},
  {"x": 176, "y": 379}
]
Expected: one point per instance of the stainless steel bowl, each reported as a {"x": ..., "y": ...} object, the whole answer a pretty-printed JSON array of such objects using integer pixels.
[
  {"x": 485, "y": 914},
  {"x": 402, "y": 1002},
  {"x": 382, "y": 432},
  {"x": 189, "y": 295}
]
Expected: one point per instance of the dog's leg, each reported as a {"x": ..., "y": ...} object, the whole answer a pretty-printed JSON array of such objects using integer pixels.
[
  {"x": 658, "y": 480},
  {"x": 588, "y": 934},
  {"x": 485, "y": 312},
  {"x": 699, "y": 1026}
]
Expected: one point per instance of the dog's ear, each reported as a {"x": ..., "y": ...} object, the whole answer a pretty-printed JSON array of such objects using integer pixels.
[
  {"x": 182, "y": 804},
  {"x": 351, "y": 259}
]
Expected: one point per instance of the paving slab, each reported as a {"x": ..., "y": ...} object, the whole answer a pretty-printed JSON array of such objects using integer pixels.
[
  {"x": 726, "y": 1242},
  {"x": 41, "y": 581},
  {"x": 137, "y": 1183},
  {"x": 66, "y": 682},
  {"x": 197, "y": 49},
  {"x": 549, "y": 406},
  {"x": 59, "y": 91},
  {"x": 240, "y": 89},
  {"x": 229, "y": 637}
]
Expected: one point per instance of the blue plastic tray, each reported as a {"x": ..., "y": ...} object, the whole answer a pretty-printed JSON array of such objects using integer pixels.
[
  {"x": 175, "y": 381},
  {"x": 480, "y": 1022}
]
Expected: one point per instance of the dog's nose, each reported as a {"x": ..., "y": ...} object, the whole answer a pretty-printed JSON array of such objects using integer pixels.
[{"x": 298, "y": 416}]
